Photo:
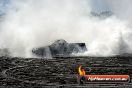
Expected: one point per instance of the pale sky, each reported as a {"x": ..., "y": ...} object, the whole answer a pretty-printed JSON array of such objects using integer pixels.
[
  {"x": 97, "y": 5},
  {"x": 3, "y": 6}
]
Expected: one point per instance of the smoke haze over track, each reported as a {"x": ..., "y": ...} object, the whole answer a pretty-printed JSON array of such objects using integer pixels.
[{"x": 32, "y": 23}]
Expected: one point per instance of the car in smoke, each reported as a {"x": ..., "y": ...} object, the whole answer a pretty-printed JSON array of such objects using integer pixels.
[{"x": 60, "y": 48}]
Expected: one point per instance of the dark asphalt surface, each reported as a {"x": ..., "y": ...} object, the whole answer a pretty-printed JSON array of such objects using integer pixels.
[{"x": 60, "y": 72}]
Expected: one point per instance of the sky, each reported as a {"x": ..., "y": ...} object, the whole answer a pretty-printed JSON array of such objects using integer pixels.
[
  {"x": 3, "y": 6},
  {"x": 97, "y": 6}
]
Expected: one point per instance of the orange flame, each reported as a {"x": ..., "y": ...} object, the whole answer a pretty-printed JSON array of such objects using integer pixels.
[{"x": 81, "y": 71}]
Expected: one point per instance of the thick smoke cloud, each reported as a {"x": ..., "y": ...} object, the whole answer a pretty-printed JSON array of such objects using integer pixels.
[{"x": 32, "y": 23}]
